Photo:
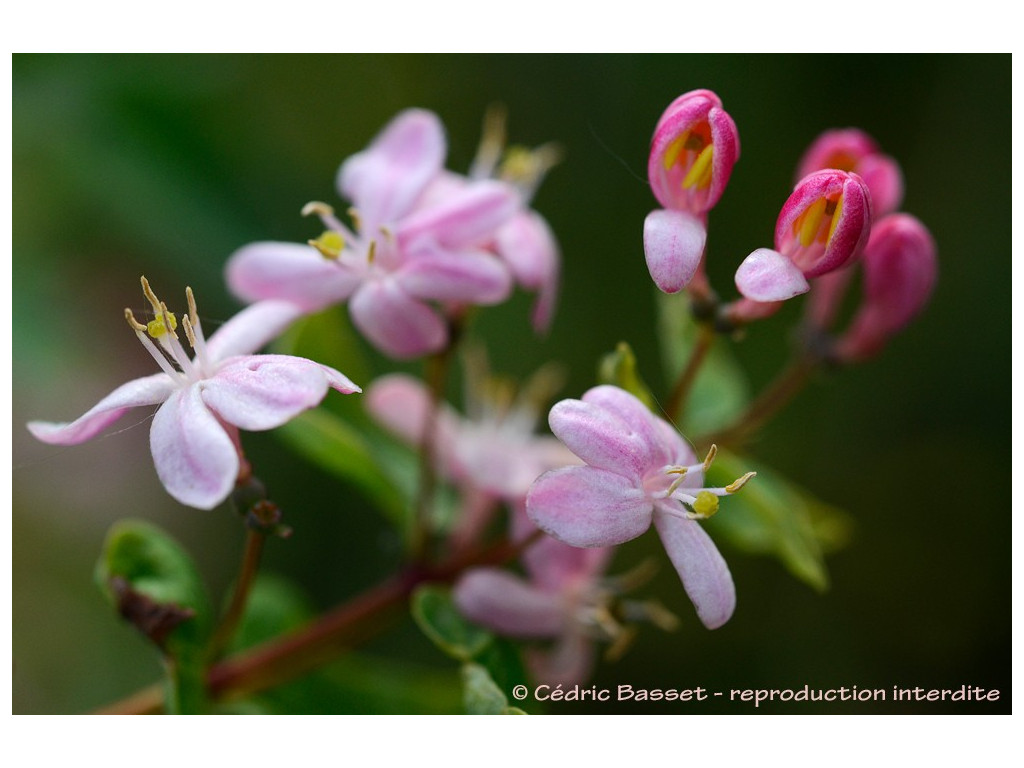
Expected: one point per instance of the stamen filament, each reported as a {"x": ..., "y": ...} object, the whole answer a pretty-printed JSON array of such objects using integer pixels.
[
  {"x": 140, "y": 331},
  {"x": 198, "y": 340}
]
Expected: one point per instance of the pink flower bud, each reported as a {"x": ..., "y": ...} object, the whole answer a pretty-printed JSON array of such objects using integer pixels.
[
  {"x": 825, "y": 222},
  {"x": 899, "y": 273},
  {"x": 853, "y": 150},
  {"x": 694, "y": 148}
]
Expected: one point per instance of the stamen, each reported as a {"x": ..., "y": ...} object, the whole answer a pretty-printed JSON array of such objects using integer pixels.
[
  {"x": 705, "y": 505},
  {"x": 153, "y": 300},
  {"x": 315, "y": 207},
  {"x": 809, "y": 222},
  {"x": 735, "y": 485},
  {"x": 492, "y": 142},
  {"x": 132, "y": 322},
  {"x": 189, "y": 333},
  {"x": 357, "y": 221},
  {"x": 195, "y": 331},
  {"x": 330, "y": 245},
  {"x": 836, "y": 205},
  {"x": 371, "y": 252},
  {"x": 673, "y": 150},
  {"x": 712, "y": 452},
  {"x": 699, "y": 174},
  {"x": 156, "y": 354}
]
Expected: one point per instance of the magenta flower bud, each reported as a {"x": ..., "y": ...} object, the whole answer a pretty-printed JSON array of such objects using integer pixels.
[
  {"x": 694, "y": 148},
  {"x": 825, "y": 223},
  {"x": 854, "y": 151},
  {"x": 900, "y": 269}
]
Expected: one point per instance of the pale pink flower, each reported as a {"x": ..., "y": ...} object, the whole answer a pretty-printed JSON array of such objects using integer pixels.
[
  {"x": 205, "y": 399},
  {"x": 639, "y": 470},
  {"x": 694, "y": 148},
  {"x": 401, "y": 255}
]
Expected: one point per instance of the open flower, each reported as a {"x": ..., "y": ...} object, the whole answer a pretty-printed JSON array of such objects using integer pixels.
[
  {"x": 639, "y": 470},
  {"x": 694, "y": 148},
  {"x": 401, "y": 254},
  {"x": 205, "y": 399}
]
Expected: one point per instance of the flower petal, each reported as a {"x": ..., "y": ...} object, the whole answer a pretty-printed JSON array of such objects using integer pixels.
[
  {"x": 705, "y": 575},
  {"x": 195, "y": 458},
  {"x": 603, "y": 439},
  {"x": 588, "y": 507},
  {"x": 665, "y": 444},
  {"x": 467, "y": 216},
  {"x": 259, "y": 392},
  {"x": 385, "y": 180},
  {"x": 401, "y": 403},
  {"x": 766, "y": 275},
  {"x": 673, "y": 245},
  {"x": 468, "y": 277},
  {"x": 528, "y": 246},
  {"x": 252, "y": 328},
  {"x": 395, "y": 322},
  {"x": 289, "y": 271},
  {"x": 507, "y": 604},
  {"x": 568, "y": 662},
  {"x": 149, "y": 390}
]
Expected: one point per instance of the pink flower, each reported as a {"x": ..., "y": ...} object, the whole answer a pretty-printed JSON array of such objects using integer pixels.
[
  {"x": 850, "y": 149},
  {"x": 562, "y": 600},
  {"x": 694, "y": 148},
  {"x": 899, "y": 274},
  {"x": 822, "y": 227},
  {"x": 401, "y": 254},
  {"x": 638, "y": 471},
  {"x": 206, "y": 399}
]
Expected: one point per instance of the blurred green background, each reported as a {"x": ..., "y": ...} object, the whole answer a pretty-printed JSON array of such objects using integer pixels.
[{"x": 163, "y": 165}]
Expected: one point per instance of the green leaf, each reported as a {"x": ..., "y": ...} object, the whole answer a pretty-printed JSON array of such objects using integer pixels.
[
  {"x": 436, "y": 614},
  {"x": 720, "y": 392},
  {"x": 332, "y": 444},
  {"x": 328, "y": 338},
  {"x": 619, "y": 368},
  {"x": 773, "y": 516},
  {"x": 481, "y": 695},
  {"x": 154, "y": 584}
]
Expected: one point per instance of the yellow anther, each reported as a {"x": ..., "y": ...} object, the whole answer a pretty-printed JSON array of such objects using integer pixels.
[
  {"x": 316, "y": 208},
  {"x": 357, "y": 221},
  {"x": 810, "y": 221},
  {"x": 712, "y": 452},
  {"x": 705, "y": 505},
  {"x": 150, "y": 296},
  {"x": 135, "y": 324},
  {"x": 735, "y": 485},
  {"x": 191, "y": 299},
  {"x": 190, "y": 334},
  {"x": 699, "y": 174},
  {"x": 371, "y": 252},
  {"x": 673, "y": 150},
  {"x": 330, "y": 244},
  {"x": 677, "y": 471},
  {"x": 836, "y": 207}
]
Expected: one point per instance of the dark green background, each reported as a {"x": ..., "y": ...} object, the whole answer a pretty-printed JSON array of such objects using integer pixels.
[{"x": 164, "y": 165}]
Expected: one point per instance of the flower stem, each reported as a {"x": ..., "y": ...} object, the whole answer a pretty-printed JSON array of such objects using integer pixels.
[
  {"x": 675, "y": 409},
  {"x": 254, "y": 541}
]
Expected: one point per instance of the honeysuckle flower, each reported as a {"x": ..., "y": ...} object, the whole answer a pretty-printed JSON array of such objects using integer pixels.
[
  {"x": 205, "y": 399},
  {"x": 493, "y": 455},
  {"x": 638, "y": 471},
  {"x": 401, "y": 255},
  {"x": 850, "y": 149},
  {"x": 900, "y": 270},
  {"x": 694, "y": 148},
  {"x": 822, "y": 227}
]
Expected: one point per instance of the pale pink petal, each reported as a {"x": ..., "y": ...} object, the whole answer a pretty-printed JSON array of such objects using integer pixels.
[
  {"x": 588, "y": 507},
  {"x": 554, "y": 565},
  {"x": 505, "y": 603},
  {"x": 385, "y": 179},
  {"x": 258, "y": 392},
  {"x": 252, "y": 328},
  {"x": 602, "y": 438},
  {"x": 673, "y": 245},
  {"x": 289, "y": 271},
  {"x": 468, "y": 216},
  {"x": 766, "y": 275},
  {"x": 145, "y": 391},
  {"x": 528, "y": 246},
  {"x": 395, "y": 322},
  {"x": 638, "y": 417},
  {"x": 467, "y": 277},
  {"x": 705, "y": 575},
  {"x": 402, "y": 404},
  {"x": 569, "y": 662},
  {"x": 195, "y": 458}
]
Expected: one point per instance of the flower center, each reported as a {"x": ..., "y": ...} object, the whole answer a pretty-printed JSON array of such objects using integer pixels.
[
  {"x": 168, "y": 352},
  {"x": 698, "y": 502}
]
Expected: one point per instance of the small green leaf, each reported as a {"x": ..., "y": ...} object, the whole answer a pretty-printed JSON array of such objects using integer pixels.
[
  {"x": 481, "y": 694},
  {"x": 619, "y": 368},
  {"x": 154, "y": 584},
  {"x": 720, "y": 392},
  {"x": 436, "y": 614},
  {"x": 773, "y": 516}
]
